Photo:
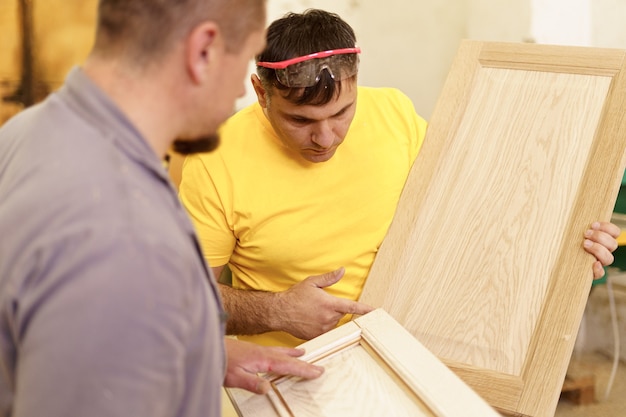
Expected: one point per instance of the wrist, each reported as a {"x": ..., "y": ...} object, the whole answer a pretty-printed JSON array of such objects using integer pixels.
[{"x": 275, "y": 311}]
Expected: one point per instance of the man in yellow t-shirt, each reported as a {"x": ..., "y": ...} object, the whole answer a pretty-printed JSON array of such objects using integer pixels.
[{"x": 300, "y": 193}]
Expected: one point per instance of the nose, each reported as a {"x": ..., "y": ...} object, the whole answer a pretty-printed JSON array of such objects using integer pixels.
[{"x": 323, "y": 136}]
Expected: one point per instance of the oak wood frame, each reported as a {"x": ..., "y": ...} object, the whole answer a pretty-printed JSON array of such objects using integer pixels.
[
  {"x": 413, "y": 369},
  {"x": 397, "y": 277}
]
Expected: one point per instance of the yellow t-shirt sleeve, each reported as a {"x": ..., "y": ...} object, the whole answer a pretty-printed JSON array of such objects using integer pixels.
[
  {"x": 416, "y": 125},
  {"x": 207, "y": 209}
]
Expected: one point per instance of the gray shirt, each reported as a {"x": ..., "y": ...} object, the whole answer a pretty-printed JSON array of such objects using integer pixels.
[{"x": 106, "y": 305}]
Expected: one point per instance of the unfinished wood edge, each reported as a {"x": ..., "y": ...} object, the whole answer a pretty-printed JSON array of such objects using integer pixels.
[
  {"x": 448, "y": 114},
  {"x": 614, "y": 125},
  {"x": 332, "y": 340},
  {"x": 503, "y": 391},
  {"x": 238, "y": 397},
  {"x": 278, "y": 402},
  {"x": 449, "y": 107},
  {"x": 552, "y": 343},
  {"x": 590, "y": 60},
  {"x": 550, "y": 351},
  {"x": 553, "y": 58},
  {"x": 549, "y": 67},
  {"x": 315, "y": 349},
  {"x": 553, "y": 340},
  {"x": 325, "y": 345},
  {"x": 234, "y": 398},
  {"x": 436, "y": 385}
]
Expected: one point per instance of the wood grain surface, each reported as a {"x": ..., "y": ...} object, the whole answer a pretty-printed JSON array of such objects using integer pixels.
[
  {"x": 483, "y": 262},
  {"x": 373, "y": 367}
]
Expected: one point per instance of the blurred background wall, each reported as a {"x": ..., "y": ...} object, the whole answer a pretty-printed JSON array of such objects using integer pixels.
[
  {"x": 408, "y": 44},
  {"x": 40, "y": 41}
]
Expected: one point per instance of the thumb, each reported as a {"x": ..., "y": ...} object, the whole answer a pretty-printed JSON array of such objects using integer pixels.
[
  {"x": 262, "y": 387},
  {"x": 249, "y": 381},
  {"x": 327, "y": 279}
]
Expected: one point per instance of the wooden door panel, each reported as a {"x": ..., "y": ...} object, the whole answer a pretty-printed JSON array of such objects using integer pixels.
[
  {"x": 483, "y": 262},
  {"x": 373, "y": 367}
]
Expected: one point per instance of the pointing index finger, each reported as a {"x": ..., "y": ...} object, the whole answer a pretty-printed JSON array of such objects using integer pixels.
[{"x": 352, "y": 307}]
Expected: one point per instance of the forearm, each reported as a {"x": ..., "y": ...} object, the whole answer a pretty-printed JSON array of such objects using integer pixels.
[{"x": 250, "y": 312}]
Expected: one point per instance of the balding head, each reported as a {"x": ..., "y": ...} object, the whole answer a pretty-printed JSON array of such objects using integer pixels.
[{"x": 144, "y": 30}]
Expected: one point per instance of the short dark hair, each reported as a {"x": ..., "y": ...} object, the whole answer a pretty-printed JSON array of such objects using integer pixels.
[
  {"x": 144, "y": 29},
  {"x": 296, "y": 35}
]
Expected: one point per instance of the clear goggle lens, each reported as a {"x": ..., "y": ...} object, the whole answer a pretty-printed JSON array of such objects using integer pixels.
[{"x": 306, "y": 71}]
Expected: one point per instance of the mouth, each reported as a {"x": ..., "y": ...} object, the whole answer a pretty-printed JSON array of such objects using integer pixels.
[
  {"x": 321, "y": 151},
  {"x": 324, "y": 152},
  {"x": 316, "y": 155}
]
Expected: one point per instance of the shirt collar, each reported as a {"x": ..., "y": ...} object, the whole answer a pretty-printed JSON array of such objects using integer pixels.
[{"x": 94, "y": 105}]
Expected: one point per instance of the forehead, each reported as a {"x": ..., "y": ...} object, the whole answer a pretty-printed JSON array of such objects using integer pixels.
[{"x": 345, "y": 98}]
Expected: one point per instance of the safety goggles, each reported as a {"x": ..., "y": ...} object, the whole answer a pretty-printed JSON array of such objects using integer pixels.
[{"x": 305, "y": 71}]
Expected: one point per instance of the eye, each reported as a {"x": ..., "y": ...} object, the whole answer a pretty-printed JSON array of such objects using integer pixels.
[
  {"x": 300, "y": 120},
  {"x": 343, "y": 111},
  {"x": 340, "y": 113}
]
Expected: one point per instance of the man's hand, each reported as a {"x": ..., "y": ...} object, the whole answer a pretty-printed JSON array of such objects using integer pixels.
[
  {"x": 245, "y": 360},
  {"x": 309, "y": 311},
  {"x": 601, "y": 242}
]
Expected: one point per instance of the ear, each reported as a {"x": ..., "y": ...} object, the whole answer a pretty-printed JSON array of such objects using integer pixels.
[
  {"x": 203, "y": 49},
  {"x": 261, "y": 93}
]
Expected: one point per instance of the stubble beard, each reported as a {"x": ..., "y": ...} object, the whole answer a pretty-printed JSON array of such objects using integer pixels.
[{"x": 202, "y": 144}]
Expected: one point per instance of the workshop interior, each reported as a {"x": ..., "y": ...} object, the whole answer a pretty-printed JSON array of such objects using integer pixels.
[{"x": 409, "y": 45}]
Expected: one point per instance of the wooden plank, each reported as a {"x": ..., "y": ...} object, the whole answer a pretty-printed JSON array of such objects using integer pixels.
[
  {"x": 373, "y": 367},
  {"x": 551, "y": 58},
  {"x": 483, "y": 262}
]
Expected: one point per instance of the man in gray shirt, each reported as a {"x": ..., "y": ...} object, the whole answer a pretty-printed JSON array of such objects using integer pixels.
[{"x": 106, "y": 305}]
